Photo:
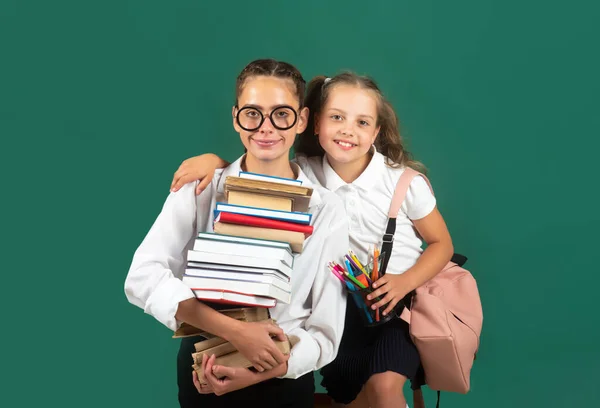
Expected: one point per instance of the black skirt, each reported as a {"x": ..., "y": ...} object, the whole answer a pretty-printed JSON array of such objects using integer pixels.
[
  {"x": 367, "y": 351},
  {"x": 274, "y": 393}
]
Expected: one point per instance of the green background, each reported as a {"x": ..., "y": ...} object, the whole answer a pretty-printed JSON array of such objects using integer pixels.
[{"x": 100, "y": 101}]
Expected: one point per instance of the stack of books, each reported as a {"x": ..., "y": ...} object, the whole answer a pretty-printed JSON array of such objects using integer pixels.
[{"x": 247, "y": 262}]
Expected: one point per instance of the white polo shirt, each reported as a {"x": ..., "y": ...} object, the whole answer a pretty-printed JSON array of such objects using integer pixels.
[
  {"x": 367, "y": 202},
  {"x": 315, "y": 317}
]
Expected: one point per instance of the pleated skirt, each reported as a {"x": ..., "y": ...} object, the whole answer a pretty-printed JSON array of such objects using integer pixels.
[{"x": 368, "y": 351}]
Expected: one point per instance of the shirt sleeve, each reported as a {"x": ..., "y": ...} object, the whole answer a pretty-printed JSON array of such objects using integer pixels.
[
  {"x": 153, "y": 282},
  {"x": 419, "y": 200},
  {"x": 316, "y": 343}
]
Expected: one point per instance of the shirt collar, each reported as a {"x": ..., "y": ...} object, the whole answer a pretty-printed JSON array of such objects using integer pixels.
[
  {"x": 234, "y": 169},
  {"x": 365, "y": 181}
]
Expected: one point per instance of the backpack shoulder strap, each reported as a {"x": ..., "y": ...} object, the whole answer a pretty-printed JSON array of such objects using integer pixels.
[{"x": 402, "y": 186}]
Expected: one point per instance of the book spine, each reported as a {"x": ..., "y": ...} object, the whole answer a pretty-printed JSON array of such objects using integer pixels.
[{"x": 253, "y": 221}]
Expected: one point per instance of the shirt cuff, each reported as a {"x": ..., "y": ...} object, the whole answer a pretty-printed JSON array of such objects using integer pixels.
[
  {"x": 164, "y": 301},
  {"x": 304, "y": 354}
]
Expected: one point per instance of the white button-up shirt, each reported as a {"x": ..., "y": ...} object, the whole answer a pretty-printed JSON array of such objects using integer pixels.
[
  {"x": 367, "y": 201},
  {"x": 315, "y": 318}
]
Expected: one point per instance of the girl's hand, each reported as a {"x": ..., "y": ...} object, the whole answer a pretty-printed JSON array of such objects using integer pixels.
[
  {"x": 234, "y": 378},
  {"x": 254, "y": 341},
  {"x": 197, "y": 168},
  {"x": 202, "y": 388},
  {"x": 395, "y": 287}
]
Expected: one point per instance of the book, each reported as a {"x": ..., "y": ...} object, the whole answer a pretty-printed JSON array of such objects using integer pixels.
[
  {"x": 274, "y": 289},
  {"x": 239, "y": 260},
  {"x": 245, "y": 314},
  {"x": 206, "y": 269},
  {"x": 252, "y": 221},
  {"x": 255, "y": 241},
  {"x": 263, "y": 177},
  {"x": 220, "y": 296},
  {"x": 260, "y": 200},
  {"x": 243, "y": 247},
  {"x": 290, "y": 216},
  {"x": 267, "y": 277},
  {"x": 299, "y": 195},
  {"x": 295, "y": 239}
]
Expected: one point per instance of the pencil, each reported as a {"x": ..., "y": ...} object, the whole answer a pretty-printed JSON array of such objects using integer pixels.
[{"x": 375, "y": 274}]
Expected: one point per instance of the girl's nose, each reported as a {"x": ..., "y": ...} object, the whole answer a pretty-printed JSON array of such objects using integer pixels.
[{"x": 267, "y": 126}]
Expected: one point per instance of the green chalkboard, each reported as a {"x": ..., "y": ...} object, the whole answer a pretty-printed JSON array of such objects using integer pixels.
[{"x": 100, "y": 101}]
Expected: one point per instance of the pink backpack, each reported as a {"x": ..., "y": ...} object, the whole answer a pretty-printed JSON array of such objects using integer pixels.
[{"x": 445, "y": 316}]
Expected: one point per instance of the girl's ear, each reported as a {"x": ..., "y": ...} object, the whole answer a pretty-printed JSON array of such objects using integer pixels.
[
  {"x": 302, "y": 120},
  {"x": 376, "y": 134},
  {"x": 235, "y": 124}
]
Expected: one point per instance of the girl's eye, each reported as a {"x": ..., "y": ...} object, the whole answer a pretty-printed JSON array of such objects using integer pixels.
[
  {"x": 336, "y": 117},
  {"x": 251, "y": 114},
  {"x": 282, "y": 114},
  {"x": 364, "y": 123}
]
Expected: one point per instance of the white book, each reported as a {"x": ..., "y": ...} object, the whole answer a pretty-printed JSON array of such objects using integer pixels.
[
  {"x": 232, "y": 238},
  {"x": 203, "y": 266},
  {"x": 245, "y": 288},
  {"x": 239, "y": 260},
  {"x": 248, "y": 249},
  {"x": 191, "y": 275}
]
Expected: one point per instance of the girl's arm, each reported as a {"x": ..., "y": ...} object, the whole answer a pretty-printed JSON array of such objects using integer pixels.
[
  {"x": 438, "y": 253},
  {"x": 439, "y": 249},
  {"x": 200, "y": 168}
]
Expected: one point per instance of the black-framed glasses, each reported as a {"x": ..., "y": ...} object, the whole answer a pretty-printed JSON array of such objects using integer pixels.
[{"x": 250, "y": 118}]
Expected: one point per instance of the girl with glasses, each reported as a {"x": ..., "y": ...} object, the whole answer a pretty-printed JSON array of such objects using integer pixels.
[{"x": 268, "y": 115}]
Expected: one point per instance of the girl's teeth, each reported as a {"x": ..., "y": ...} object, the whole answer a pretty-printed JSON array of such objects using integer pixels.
[{"x": 345, "y": 144}]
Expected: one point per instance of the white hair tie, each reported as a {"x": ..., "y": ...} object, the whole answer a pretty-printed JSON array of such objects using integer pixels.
[{"x": 326, "y": 80}]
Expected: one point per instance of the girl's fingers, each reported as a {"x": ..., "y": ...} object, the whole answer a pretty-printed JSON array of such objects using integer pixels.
[
  {"x": 387, "y": 298},
  {"x": 380, "y": 282},
  {"x": 203, "y": 184},
  {"x": 390, "y": 307},
  {"x": 377, "y": 293}
]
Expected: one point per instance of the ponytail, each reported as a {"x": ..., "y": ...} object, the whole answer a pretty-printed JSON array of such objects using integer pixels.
[{"x": 308, "y": 142}]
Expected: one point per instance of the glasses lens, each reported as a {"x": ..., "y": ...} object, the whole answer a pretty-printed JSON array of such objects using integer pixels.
[
  {"x": 249, "y": 118},
  {"x": 283, "y": 118}
]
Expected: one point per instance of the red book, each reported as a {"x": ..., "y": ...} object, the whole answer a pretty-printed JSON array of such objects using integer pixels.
[{"x": 252, "y": 221}]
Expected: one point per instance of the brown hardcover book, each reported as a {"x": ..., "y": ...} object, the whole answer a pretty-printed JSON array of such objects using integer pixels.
[
  {"x": 187, "y": 330},
  {"x": 246, "y": 314},
  {"x": 295, "y": 239},
  {"x": 250, "y": 199},
  {"x": 208, "y": 344}
]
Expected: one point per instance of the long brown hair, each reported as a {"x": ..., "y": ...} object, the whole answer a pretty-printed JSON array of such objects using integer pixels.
[
  {"x": 271, "y": 67},
  {"x": 388, "y": 142}
]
